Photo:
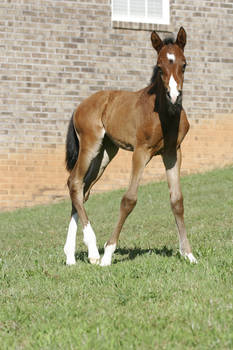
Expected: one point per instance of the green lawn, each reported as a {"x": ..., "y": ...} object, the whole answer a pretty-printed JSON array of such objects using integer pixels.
[{"x": 149, "y": 298}]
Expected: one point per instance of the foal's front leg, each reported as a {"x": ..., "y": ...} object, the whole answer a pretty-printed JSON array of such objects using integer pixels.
[
  {"x": 128, "y": 202},
  {"x": 172, "y": 164}
]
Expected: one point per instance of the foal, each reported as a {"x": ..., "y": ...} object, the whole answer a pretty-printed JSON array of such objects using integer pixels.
[{"x": 148, "y": 122}]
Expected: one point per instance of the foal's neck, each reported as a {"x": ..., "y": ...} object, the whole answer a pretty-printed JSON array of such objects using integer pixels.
[
  {"x": 168, "y": 113},
  {"x": 163, "y": 106}
]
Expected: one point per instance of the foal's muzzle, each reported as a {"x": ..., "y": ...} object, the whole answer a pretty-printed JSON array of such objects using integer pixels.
[{"x": 178, "y": 100}]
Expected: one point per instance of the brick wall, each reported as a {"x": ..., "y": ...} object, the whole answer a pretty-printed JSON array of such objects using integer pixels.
[{"x": 53, "y": 54}]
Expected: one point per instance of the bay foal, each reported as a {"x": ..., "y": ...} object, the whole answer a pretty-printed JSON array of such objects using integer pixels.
[{"x": 148, "y": 122}]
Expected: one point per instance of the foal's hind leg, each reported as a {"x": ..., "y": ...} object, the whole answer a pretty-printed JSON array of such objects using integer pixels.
[
  {"x": 128, "y": 202},
  {"x": 98, "y": 165},
  {"x": 172, "y": 164},
  {"x": 81, "y": 187},
  {"x": 69, "y": 248},
  {"x": 89, "y": 149}
]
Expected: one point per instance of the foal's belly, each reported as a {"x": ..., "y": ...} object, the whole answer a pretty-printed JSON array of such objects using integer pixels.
[
  {"x": 120, "y": 123},
  {"x": 130, "y": 124},
  {"x": 122, "y": 143},
  {"x": 128, "y": 134}
]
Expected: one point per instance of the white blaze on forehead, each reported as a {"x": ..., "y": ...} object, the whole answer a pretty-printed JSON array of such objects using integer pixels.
[
  {"x": 174, "y": 93},
  {"x": 171, "y": 57}
]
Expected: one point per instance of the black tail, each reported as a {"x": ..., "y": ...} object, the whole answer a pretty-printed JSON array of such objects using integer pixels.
[{"x": 72, "y": 146}]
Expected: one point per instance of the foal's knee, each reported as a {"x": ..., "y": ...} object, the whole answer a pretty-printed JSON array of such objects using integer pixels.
[
  {"x": 128, "y": 202},
  {"x": 177, "y": 203}
]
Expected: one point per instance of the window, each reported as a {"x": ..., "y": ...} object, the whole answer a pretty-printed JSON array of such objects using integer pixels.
[{"x": 142, "y": 11}]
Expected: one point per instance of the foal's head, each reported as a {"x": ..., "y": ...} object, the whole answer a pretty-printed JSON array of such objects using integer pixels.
[{"x": 171, "y": 63}]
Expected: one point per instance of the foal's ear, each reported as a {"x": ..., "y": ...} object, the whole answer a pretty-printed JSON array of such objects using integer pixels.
[
  {"x": 181, "y": 38},
  {"x": 156, "y": 41}
]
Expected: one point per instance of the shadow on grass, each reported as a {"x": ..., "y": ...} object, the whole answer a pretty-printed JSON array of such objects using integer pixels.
[
  {"x": 83, "y": 256},
  {"x": 132, "y": 253},
  {"x": 127, "y": 253}
]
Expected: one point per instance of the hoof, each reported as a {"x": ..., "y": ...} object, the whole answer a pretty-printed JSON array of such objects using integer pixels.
[
  {"x": 105, "y": 262},
  {"x": 70, "y": 258},
  {"x": 108, "y": 252},
  {"x": 190, "y": 257},
  {"x": 94, "y": 261},
  {"x": 70, "y": 261}
]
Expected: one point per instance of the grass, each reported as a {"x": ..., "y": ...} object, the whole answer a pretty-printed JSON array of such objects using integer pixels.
[{"x": 149, "y": 298}]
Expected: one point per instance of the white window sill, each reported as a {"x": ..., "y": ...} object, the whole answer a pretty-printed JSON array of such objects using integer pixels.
[{"x": 166, "y": 28}]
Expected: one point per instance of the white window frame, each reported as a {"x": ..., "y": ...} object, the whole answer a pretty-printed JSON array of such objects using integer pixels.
[{"x": 165, "y": 19}]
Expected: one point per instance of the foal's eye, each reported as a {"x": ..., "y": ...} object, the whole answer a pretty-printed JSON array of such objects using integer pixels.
[{"x": 184, "y": 66}]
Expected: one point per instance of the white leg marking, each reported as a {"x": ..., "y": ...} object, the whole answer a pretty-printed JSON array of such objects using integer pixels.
[
  {"x": 89, "y": 239},
  {"x": 69, "y": 247},
  {"x": 103, "y": 132},
  {"x": 105, "y": 160},
  {"x": 108, "y": 252},
  {"x": 174, "y": 93},
  {"x": 189, "y": 256},
  {"x": 104, "y": 163}
]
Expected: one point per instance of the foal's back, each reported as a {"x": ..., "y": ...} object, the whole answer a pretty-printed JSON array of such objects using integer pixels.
[{"x": 128, "y": 118}]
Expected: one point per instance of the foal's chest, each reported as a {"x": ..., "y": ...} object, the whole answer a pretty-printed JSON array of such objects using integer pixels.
[{"x": 158, "y": 134}]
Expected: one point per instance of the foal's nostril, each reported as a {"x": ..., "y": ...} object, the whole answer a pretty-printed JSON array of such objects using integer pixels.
[{"x": 178, "y": 98}]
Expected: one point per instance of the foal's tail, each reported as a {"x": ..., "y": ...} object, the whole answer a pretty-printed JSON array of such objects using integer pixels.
[{"x": 72, "y": 146}]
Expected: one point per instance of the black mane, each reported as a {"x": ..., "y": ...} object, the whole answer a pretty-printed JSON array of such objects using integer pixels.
[
  {"x": 168, "y": 41},
  {"x": 154, "y": 74}
]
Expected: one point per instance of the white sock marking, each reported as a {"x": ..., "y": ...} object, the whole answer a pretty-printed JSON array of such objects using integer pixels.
[
  {"x": 189, "y": 256},
  {"x": 69, "y": 247},
  {"x": 108, "y": 252},
  {"x": 174, "y": 93},
  {"x": 171, "y": 57},
  {"x": 89, "y": 239}
]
